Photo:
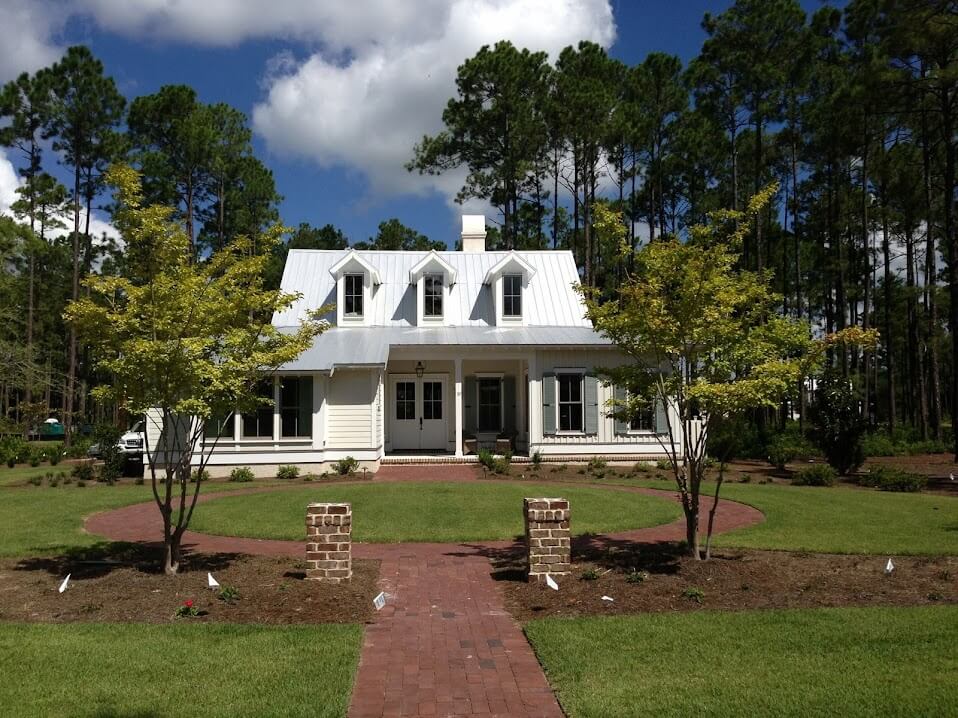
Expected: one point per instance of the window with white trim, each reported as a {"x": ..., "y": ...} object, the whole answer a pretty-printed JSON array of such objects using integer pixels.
[
  {"x": 296, "y": 406},
  {"x": 571, "y": 404},
  {"x": 489, "y": 403},
  {"x": 353, "y": 295},
  {"x": 512, "y": 295},
  {"x": 643, "y": 420},
  {"x": 258, "y": 424},
  {"x": 432, "y": 288}
]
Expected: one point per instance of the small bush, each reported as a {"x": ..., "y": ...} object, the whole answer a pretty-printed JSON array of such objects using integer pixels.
[
  {"x": 597, "y": 463},
  {"x": 590, "y": 574},
  {"x": 787, "y": 447},
  {"x": 138, "y": 481},
  {"x": 11, "y": 462},
  {"x": 287, "y": 473},
  {"x": 35, "y": 456},
  {"x": 886, "y": 478},
  {"x": 54, "y": 479},
  {"x": 694, "y": 594},
  {"x": 83, "y": 471},
  {"x": 54, "y": 453},
  {"x": 838, "y": 423},
  {"x": 228, "y": 594},
  {"x": 817, "y": 475},
  {"x": 36, "y": 480},
  {"x": 199, "y": 475},
  {"x": 309, "y": 477},
  {"x": 81, "y": 483},
  {"x": 663, "y": 465},
  {"x": 345, "y": 467},
  {"x": 637, "y": 577},
  {"x": 242, "y": 474},
  {"x": 495, "y": 464},
  {"x": 537, "y": 460}
]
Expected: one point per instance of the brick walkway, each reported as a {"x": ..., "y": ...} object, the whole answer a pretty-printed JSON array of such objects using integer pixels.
[{"x": 444, "y": 644}]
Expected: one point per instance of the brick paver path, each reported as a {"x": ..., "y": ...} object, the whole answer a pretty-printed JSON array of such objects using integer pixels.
[{"x": 444, "y": 645}]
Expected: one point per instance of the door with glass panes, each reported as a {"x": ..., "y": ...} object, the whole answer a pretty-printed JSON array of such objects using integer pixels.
[{"x": 417, "y": 412}]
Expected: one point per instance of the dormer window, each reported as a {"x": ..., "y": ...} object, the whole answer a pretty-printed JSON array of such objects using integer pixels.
[
  {"x": 432, "y": 291},
  {"x": 512, "y": 295},
  {"x": 353, "y": 295}
]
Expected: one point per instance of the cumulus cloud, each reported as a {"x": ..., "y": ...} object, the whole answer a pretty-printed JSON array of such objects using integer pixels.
[
  {"x": 368, "y": 112},
  {"x": 27, "y": 31}
]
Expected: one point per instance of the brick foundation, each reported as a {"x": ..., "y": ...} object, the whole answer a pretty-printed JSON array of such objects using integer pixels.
[
  {"x": 547, "y": 537},
  {"x": 329, "y": 530}
]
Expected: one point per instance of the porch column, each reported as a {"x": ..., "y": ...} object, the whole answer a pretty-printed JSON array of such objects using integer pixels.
[{"x": 458, "y": 397}]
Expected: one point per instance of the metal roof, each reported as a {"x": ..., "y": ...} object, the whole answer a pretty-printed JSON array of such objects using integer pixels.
[
  {"x": 555, "y": 314},
  {"x": 550, "y": 300},
  {"x": 369, "y": 346}
]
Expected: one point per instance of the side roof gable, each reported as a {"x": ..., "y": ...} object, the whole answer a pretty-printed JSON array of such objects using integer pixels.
[
  {"x": 512, "y": 261},
  {"x": 433, "y": 262}
]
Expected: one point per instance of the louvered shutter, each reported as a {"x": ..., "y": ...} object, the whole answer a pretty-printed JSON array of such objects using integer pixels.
[
  {"x": 548, "y": 403},
  {"x": 591, "y": 404}
]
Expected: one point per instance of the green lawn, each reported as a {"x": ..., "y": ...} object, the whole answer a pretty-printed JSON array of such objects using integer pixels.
[
  {"x": 147, "y": 671},
  {"x": 836, "y": 520},
  {"x": 827, "y": 662},
  {"x": 20, "y": 475},
  {"x": 391, "y": 512},
  {"x": 44, "y": 520}
]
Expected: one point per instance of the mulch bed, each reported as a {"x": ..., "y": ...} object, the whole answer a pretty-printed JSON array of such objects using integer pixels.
[
  {"x": 123, "y": 583},
  {"x": 732, "y": 580}
]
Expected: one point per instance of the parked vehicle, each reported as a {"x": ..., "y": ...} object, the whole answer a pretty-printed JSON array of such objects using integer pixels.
[{"x": 131, "y": 443}]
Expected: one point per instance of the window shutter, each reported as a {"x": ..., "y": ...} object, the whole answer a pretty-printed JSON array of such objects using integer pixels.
[
  {"x": 621, "y": 427},
  {"x": 661, "y": 426},
  {"x": 591, "y": 404},
  {"x": 509, "y": 405},
  {"x": 470, "y": 409},
  {"x": 548, "y": 403}
]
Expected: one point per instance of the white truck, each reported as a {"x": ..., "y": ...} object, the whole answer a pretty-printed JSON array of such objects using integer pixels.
[{"x": 131, "y": 443}]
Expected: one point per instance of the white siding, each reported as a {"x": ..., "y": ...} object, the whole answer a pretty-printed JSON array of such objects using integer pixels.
[{"x": 351, "y": 404}]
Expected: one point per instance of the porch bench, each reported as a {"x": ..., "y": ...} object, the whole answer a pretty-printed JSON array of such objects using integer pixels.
[{"x": 503, "y": 446}]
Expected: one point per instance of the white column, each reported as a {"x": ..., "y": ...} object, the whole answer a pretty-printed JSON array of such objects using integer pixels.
[
  {"x": 458, "y": 398},
  {"x": 276, "y": 423},
  {"x": 535, "y": 402},
  {"x": 319, "y": 396}
]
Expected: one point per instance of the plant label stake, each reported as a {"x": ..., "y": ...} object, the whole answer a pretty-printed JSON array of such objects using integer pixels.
[
  {"x": 211, "y": 582},
  {"x": 889, "y": 567},
  {"x": 380, "y": 601},
  {"x": 608, "y": 598},
  {"x": 66, "y": 582},
  {"x": 550, "y": 582}
]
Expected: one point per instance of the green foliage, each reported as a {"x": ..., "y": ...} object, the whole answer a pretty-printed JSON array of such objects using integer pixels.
[
  {"x": 393, "y": 235},
  {"x": 83, "y": 471},
  {"x": 902, "y": 443},
  {"x": 199, "y": 476},
  {"x": 590, "y": 574},
  {"x": 494, "y": 464},
  {"x": 694, "y": 594},
  {"x": 287, "y": 473},
  {"x": 36, "y": 480},
  {"x": 887, "y": 478},
  {"x": 242, "y": 474},
  {"x": 786, "y": 447},
  {"x": 107, "y": 437},
  {"x": 838, "y": 426},
  {"x": 345, "y": 467},
  {"x": 637, "y": 577},
  {"x": 536, "y": 460},
  {"x": 817, "y": 475},
  {"x": 228, "y": 594},
  {"x": 186, "y": 610}
]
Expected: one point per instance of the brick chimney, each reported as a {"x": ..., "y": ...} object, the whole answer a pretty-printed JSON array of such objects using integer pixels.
[{"x": 473, "y": 233}]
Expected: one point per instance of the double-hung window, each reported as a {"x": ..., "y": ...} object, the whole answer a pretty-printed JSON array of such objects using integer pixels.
[
  {"x": 432, "y": 286},
  {"x": 570, "y": 402},
  {"x": 512, "y": 295},
  {"x": 258, "y": 424},
  {"x": 296, "y": 406},
  {"x": 353, "y": 295},
  {"x": 490, "y": 404},
  {"x": 643, "y": 420}
]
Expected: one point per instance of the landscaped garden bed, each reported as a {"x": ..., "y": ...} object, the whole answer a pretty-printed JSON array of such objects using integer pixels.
[
  {"x": 655, "y": 578},
  {"x": 120, "y": 584}
]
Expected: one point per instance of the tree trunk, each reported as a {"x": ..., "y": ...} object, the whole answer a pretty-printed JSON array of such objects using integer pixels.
[
  {"x": 75, "y": 294},
  {"x": 931, "y": 280},
  {"x": 888, "y": 338}
]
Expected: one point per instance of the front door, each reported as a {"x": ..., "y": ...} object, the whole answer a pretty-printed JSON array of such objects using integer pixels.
[{"x": 418, "y": 412}]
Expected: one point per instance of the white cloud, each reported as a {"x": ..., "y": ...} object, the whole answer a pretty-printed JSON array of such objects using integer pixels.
[
  {"x": 27, "y": 28},
  {"x": 9, "y": 181},
  {"x": 368, "y": 112}
]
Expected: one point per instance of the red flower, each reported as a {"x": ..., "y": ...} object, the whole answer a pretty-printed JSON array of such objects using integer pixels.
[{"x": 188, "y": 603}]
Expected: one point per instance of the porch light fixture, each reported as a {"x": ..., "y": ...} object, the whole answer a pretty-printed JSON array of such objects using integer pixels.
[{"x": 420, "y": 369}]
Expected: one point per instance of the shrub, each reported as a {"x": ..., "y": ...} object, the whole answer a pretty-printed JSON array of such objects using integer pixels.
[
  {"x": 107, "y": 436},
  {"x": 35, "y": 480},
  {"x": 54, "y": 453},
  {"x": 536, "y": 460},
  {"x": 54, "y": 479},
  {"x": 187, "y": 610},
  {"x": 287, "y": 473},
  {"x": 495, "y": 464},
  {"x": 590, "y": 574},
  {"x": 228, "y": 594},
  {"x": 637, "y": 577},
  {"x": 787, "y": 447},
  {"x": 663, "y": 465},
  {"x": 242, "y": 474},
  {"x": 886, "y": 478},
  {"x": 346, "y": 467},
  {"x": 200, "y": 475},
  {"x": 78, "y": 449},
  {"x": 14, "y": 450},
  {"x": 83, "y": 471},
  {"x": 597, "y": 463},
  {"x": 817, "y": 475},
  {"x": 838, "y": 423},
  {"x": 694, "y": 594},
  {"x": 11, "y": 461}
]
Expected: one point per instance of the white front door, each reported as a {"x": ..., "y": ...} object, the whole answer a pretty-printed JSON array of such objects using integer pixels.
[{"x": 418, "y": 412}]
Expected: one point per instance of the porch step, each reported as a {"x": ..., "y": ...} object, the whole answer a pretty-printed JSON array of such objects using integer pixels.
[{"x": 557, "y": 459}]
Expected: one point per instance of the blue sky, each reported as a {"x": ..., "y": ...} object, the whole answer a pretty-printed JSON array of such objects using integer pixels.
[{"x": 338, "y": 92}]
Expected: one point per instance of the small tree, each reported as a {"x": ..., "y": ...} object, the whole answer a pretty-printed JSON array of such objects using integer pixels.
[
  {"x": 837, "y": 423},
  {"x": 183, "y": 340},
  {"x": 703, "y": 338}
]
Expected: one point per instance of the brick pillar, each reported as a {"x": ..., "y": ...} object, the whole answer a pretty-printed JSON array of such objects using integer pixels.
[
  {"x": 547, "y": 537},
  {"x": 329, "y": 542}
]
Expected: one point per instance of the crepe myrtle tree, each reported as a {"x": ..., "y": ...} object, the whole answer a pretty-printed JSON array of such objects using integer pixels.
[
  {"x": 703, "y": 338},
  {"x": 183, "y": 340}
]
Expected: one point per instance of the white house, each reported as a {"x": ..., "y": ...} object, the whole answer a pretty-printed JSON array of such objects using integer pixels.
[{"x": 434, "y": 354}]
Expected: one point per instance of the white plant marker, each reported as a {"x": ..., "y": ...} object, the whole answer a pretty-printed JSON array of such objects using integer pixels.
[
  {"x": 380, "y": 601},
  {"x": 211, "y": 582},
  {"x": 66, "y": 582},
  {"x": 952, "y": 477},
  {"x": 551, "y": 583},
  {"x": 889, "y": 567},
  {"x": 608, "y": 598}
]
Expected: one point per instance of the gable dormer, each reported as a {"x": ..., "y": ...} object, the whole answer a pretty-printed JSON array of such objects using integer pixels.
[
  {"x": 355, "y": 282},
  {"x": 433, "y": 278},
  {"x": 508, "y": 281}
]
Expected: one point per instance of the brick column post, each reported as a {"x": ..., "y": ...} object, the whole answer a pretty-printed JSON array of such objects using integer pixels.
[
  {"x": 547, "y": 537},
  {"x": 329, "y": 542}
]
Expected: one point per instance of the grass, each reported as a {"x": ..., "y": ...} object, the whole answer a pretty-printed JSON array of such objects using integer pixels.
[
  {"x": 429, "y": 511},
  {"x": 834, "y": 520},
  {"x": 188, "y": 670},
  {"x": 824, "y": 662},
  {"x": 45, "y": 520},
  {"x": 20, "y": 475}
]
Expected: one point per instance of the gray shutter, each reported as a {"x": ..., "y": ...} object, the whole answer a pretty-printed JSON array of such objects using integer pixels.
[
  {"x": 548, "y": 403},
  {"x": 470, "y": 410},
  {"x": 509, "y": 405},
  {"x": 591, "y": 404},
  {"x": 621, "y": 427},
  {"x": 661, "y": 426}
]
